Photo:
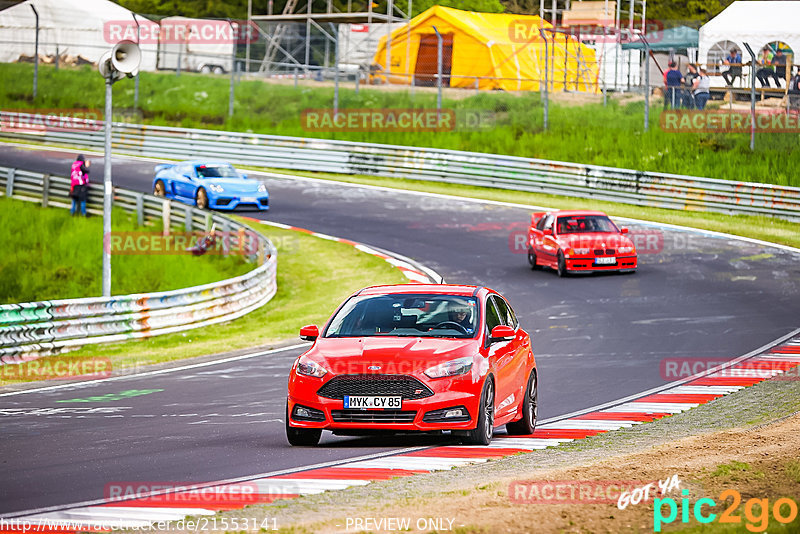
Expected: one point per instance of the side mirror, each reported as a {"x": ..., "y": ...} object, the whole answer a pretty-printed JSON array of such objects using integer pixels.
[
  {"x": 243, "y": 175},
  {"x": 309, "y": 332},
  {"x": 501, "y": 332},
  {"x": 623, "y": 230}
]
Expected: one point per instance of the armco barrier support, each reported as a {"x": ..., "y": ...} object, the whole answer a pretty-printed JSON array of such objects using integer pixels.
[
  {"x": 472, "y": 168},
  {"x": 34, "y": 329}
]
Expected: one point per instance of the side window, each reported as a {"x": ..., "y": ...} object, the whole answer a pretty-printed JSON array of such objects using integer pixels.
[
  {"x": 506, "y": 313},
  {"x": 548, "y": 222},
  {"x": 492, "y": 316},
  {"x": 540, "y": 224}
]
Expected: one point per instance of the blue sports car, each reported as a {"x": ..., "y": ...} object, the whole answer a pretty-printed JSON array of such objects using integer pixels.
[{"x": 209, "y": 184}]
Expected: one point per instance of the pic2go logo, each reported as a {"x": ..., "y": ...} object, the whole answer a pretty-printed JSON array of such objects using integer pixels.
[{"x": 756, "y": 511}]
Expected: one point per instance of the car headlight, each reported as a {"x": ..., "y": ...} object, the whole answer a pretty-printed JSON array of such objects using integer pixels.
[
  {"x": 216, "y": 188},
  {"x": 455, "y": 367},
  {"x": 625, "y": 250},
  {"x": 308, "y": 367},
  {"x": 578, "y": 251},
  {"x": 262, "y": 188}
]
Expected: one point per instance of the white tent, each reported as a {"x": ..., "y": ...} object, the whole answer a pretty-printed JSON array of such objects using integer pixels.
[
  {"x": 755, "y": 23},
  {"x": 76, "y": 27}
]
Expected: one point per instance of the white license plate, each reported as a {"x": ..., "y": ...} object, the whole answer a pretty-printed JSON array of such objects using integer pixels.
[
  {"x": 248, "y": 199},
  {"x": 373, "y": 403},
  {"x": 605, "y": 261}
]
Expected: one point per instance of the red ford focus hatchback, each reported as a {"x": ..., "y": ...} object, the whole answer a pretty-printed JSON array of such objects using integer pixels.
[{"x": 415, "y": 358}]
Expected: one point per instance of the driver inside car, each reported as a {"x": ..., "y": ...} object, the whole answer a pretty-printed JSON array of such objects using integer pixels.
[{"x": 460, "y": 314}]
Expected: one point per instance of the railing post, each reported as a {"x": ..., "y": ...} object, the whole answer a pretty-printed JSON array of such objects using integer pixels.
[
  {"x": 226, "y": 228},
  {"x": 10, "y": 183},
  {"x": 209, "y": 222},
  {"x": 165, "y": 216},
  {"x": 139, "y": 210},
  {"x": 187, "y": 219},
  {"x": 45, "y": 190}
]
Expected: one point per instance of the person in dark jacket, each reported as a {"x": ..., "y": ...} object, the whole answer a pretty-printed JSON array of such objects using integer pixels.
[
  {"x": 79, "y": 184},
  {"x": 673, "y": 79}
]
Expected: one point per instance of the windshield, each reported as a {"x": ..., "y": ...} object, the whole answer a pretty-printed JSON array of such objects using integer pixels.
[
  {"x": 406, "y": 315},
  {"x": 581, "y": 224},
  {"x": 216, "y": 171}
]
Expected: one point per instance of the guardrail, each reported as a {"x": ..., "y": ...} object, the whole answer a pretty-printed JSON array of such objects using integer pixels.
[
  {"x": 34, "y": 329},
  {"x": 472, "y": 168}
]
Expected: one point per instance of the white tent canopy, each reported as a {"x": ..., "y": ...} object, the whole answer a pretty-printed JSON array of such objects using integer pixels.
[
  {"x": 76, "y": 27},
  {"x": 755, "y": 23}
]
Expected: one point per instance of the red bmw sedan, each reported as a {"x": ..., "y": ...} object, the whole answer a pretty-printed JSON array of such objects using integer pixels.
[
  {"x": 415, "y": 358},
  {"x": 579, "y": 241}
]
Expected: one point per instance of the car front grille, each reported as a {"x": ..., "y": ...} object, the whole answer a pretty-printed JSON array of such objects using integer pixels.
[
  {"x": 373, "y": 416},
  {"x": 375, "y": 385},
  {"x": 223, "y": 201},
  {"x": 601, "y": 252}
]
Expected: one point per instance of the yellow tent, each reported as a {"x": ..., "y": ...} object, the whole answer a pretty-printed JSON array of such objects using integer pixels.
[{"x": 500, "y": 51}]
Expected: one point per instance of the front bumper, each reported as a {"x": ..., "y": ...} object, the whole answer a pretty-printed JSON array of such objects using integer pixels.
[
  {"x": 408, "y": 419},
  {"x": 587, "y": 264},
  {"x": 230, "y": 202}
]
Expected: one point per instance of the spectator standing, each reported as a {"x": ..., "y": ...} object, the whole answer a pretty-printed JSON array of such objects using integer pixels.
[
  {"x": 794, "y": 90},
  {"x": 689, "y": 78},
  {"x": 734, "y": 60},
  {"x": 672, "y": 86},
  {"x": 701, "y": 89},
  {"x": 79, "y": 184}
]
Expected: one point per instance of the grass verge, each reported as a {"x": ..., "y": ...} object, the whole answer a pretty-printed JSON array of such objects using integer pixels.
[
  {"x": 591, "y": 133},
  {"x": 314, "y": 276},
  {"x": 49, "y": 255}
]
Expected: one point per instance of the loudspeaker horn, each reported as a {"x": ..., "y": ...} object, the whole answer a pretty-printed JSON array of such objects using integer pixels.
[{"x": 125, "y": 57}]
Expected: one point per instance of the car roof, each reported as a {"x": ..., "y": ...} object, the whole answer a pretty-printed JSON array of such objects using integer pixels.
[
  {"x": 567, "y": 213},
  {"x": 436, "y": 289}
]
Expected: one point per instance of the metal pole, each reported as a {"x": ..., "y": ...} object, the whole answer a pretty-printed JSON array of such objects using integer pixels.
[
  {"x": 389, "y": 17},
  {"x": 233, "y": 69},
  {"x": 438, "y": 71},
  {"x": 752, "y": 97},
  {"x": 546, "y": 106},
  {"x": 107, "y": 192},
  {"x": 336, "y": 71},
  {"x": 57, "y": 56},
  {"x": 247, "y": 35},
  {"x": 36, "y": 55},
  {"x": 136, "y": 80},
  {"x": 646, "y": 84}
]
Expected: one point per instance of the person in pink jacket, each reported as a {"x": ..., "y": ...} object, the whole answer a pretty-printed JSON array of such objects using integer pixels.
[{"x": 79, "y": 185}]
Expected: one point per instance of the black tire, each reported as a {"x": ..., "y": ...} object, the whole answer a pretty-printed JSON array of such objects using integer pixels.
[
  {"x": 484, "y": 430},
  {"x": 532, "y": 259},
  {"x": 159, "y": 189},
  {"x": 530, "y": 410},
  {"x": 562, "y": 264},
  {"x": 301, "y": 437},
  {"x": 201, "y": 199}
]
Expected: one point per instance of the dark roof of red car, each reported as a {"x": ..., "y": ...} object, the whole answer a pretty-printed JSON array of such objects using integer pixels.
[{"x": 439, "y": 289}]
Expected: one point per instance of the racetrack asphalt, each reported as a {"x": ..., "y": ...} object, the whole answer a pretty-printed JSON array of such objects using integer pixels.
[{"x": 596, "y": 338}]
